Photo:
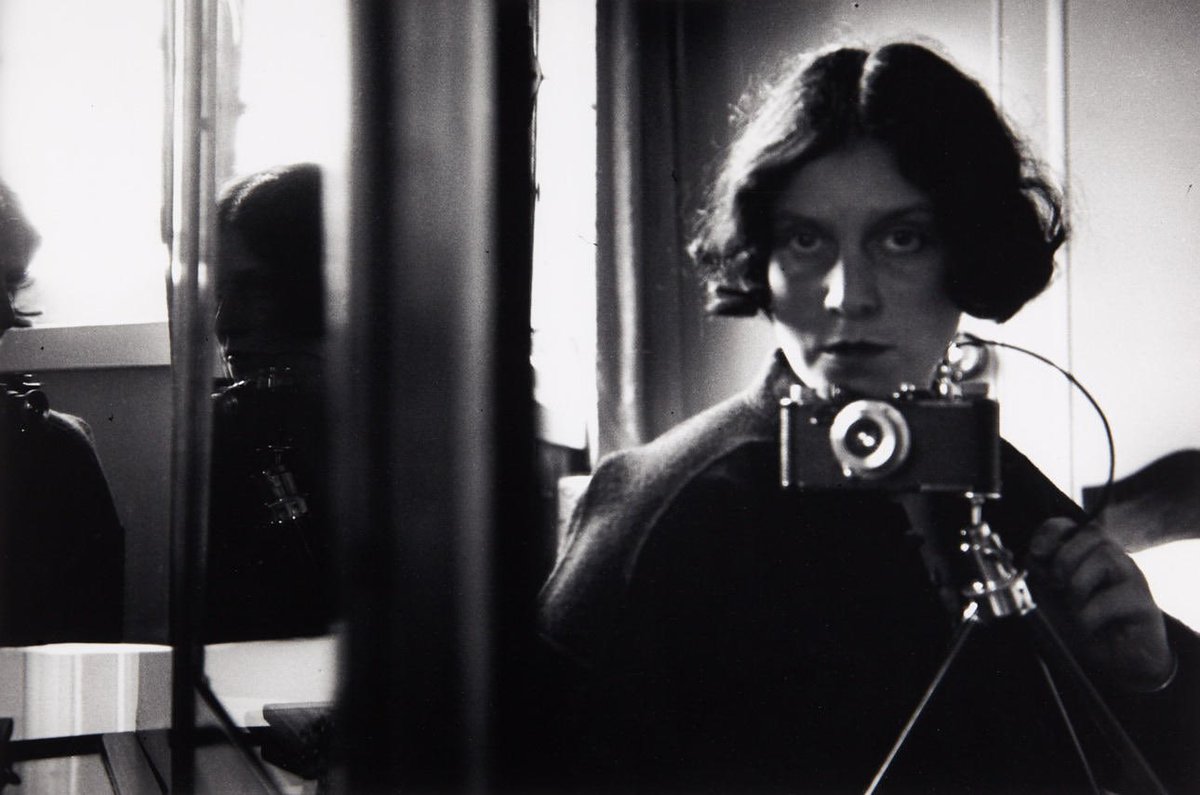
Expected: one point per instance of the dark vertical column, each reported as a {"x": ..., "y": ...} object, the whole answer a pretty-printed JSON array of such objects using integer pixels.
[
  {"x": 432, "y": 425},
  {"x": 370, "y": 700},
  {"x": 519, "y": 553},
  {"x": 192, "y": 28}
]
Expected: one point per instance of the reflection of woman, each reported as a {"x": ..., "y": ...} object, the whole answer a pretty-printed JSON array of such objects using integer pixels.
[
  {"x": 269, "y": 571},
  {"x": 62, "y": 554},
  {"x": 718, "y": 633}
]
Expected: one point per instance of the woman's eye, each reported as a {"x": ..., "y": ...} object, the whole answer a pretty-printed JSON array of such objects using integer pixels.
[
  {"x": 804, "y": 242},
  {"x": 903, "y": 240}
]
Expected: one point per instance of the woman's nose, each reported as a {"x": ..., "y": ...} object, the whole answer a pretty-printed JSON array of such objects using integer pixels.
[{"x": 851, "y": 289}]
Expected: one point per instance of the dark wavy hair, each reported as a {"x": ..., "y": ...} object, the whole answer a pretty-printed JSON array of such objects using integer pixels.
[
  {"x": 1001, "y": 218},
  {"x": 278, "y": 217}
]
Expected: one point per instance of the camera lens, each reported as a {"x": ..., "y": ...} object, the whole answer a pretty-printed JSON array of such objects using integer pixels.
[
  {"x": 869, "y": 439},
  {"x": 863, "y": 437}
]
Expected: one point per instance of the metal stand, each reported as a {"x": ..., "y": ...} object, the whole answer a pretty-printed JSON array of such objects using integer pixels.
[{"x": 999, "y": 591}]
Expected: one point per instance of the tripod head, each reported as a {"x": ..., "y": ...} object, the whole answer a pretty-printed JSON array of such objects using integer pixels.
[{"x": 998, "y": 588}]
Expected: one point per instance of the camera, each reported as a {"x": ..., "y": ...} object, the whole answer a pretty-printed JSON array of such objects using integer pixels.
[{"x": 947, "y": 441}]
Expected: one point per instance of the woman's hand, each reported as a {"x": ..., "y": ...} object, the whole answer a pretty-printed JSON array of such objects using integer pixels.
[{"x": 1100, "y": 602}]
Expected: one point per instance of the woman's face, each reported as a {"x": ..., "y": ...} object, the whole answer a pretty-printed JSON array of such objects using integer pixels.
[
  {"x": 857, "y": 275},
  {"x": 254, "y": 319}
]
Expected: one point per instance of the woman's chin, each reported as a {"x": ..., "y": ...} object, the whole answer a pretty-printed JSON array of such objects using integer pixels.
[
  {"x": 873, "y": 374},
  {"x": 857, "y": 380}
]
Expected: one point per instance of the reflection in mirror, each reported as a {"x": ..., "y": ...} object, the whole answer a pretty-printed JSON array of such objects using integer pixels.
[
  {"x": 58, "y": 524},
  {"x": 64, "y": 519},
  {"x": 269, "y": 558},
  {"x": 85, "y": 373},
  {"x": 81, "y": 105},
  {"x": 279, "y": 144},
  {"x": 670, "y": 75},
  {"x": 83, "y": 527}
]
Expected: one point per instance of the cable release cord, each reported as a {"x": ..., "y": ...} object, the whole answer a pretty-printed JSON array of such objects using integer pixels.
[
  {"x": 1106, "y": 491},
  {"x": 1110, "y": 728}
]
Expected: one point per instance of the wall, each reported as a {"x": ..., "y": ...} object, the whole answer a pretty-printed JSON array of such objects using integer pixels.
[
  {"x": 1135, "y": 156},
  {"x": 1134, "y": 138}
]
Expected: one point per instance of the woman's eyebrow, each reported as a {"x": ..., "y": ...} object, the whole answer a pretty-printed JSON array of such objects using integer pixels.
[
  {"x": 783, "y": 217},
  {"x": 923, "y": 209},
  {"x": 790, "y": 215}
]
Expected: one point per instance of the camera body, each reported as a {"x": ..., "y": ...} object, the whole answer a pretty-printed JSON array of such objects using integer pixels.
[{"x": 912, "y": 442}]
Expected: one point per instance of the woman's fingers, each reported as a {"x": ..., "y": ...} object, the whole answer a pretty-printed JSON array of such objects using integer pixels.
[
  {"x": 1104, "y": 600},
  {"x": 1089, "y": 562},
  {"x": 1050, "y": 537},
  {"x": 1121, "y": 603}
]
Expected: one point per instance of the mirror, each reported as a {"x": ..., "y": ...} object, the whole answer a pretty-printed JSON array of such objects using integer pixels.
[
  {"x": 80, "y": 159},
  {"x": 86, "y": 403},
  {"x": 669, "y": 76},
  {"x": 267, "y": 618},
  {"x": 87, "y": 151}
]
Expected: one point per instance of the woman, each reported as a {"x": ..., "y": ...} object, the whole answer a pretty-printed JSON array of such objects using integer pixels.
[
  {"x": 715, "y": 632},
  {"x": 62, "y": 547},
  {"x": 269, "y": 552}
]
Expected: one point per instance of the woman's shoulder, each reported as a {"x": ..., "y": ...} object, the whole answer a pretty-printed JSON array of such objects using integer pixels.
[
  {"x": 693, "y": 444},
  {"x": 1028, "y": 499},
  {"x": 628, "y": 493},
  {"x": 31, "y": 427},
  {"x": 73, "y": 430},
  {"x": 57, "y": 451},
  {"x": 67, "y": 440},
  {"x": 655, "y": 469}
]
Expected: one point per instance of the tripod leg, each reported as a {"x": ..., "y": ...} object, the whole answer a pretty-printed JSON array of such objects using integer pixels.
[
  {"x": 1070, "y": 727},
  {"x": 956, "y": 645},
  {"x": 1053, "y": 649}
]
